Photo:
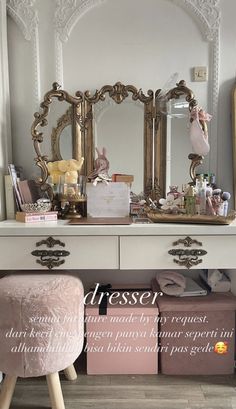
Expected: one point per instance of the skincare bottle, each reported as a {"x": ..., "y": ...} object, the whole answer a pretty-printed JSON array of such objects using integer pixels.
[
  {"x": 225, "y": 196},
  {"x": 197, "y": 206},
  {"x": 174, "y": 191},
  {"x": 190, "y": 201},
  {"x": 212, "y": 180},
  {"x": 201, "y": 194},
  {"x": 209, "y": 206}
]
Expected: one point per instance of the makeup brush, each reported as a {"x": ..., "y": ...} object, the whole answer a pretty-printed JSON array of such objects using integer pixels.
[
  {"x": 209, "y": 202},
  {"x": 225, "y": 196}
]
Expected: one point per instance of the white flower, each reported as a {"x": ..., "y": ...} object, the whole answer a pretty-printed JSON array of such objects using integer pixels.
[{"x": 170, "y": 203}]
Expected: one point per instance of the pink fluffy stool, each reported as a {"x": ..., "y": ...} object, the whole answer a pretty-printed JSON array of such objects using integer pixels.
[{"x": 41, "y": 330}]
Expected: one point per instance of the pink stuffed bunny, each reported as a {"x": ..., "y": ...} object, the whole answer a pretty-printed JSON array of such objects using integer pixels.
[{"x": 100, "y": 172}]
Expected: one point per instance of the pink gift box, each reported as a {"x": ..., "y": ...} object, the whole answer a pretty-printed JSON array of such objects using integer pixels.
[{"x": 124, "y": 339}]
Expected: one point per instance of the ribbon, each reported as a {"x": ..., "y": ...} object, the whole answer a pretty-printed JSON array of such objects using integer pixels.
[{"x": 107, "y": 290}]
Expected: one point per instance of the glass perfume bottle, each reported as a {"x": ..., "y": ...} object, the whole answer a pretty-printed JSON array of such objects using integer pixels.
[
  {"x": 201, "y": 186},
  {"x": 190, "y": 201},
  {"x": 174, "y": 191}
]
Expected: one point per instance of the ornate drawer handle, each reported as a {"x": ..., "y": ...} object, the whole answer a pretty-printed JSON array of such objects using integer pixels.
[
  {"x": 187, "y": 242},
  {"x": 184, "y": 252},
  {"x": 187, "y": 257},
  {"x": 50, "y": 258},
  {"x": 50, "y": 253},
  {"x": 50, "y": 242}
]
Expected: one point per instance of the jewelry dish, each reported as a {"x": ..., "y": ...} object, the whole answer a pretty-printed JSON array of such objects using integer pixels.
[{"x": 38, "y": 207}]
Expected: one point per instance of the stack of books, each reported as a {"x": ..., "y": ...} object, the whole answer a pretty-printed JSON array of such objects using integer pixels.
[
  {"x": 25, "y": 192},
  {"x": 36, "y": 217}
]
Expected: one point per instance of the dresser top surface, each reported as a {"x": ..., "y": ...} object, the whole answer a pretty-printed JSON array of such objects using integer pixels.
[{"x": 61, "y": 228}]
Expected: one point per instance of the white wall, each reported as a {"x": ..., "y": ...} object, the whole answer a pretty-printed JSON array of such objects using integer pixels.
[
  {"x": 227, "y": 79},
  {"x": 141, "y": 42},
  {"x": 138, "y": 42}
]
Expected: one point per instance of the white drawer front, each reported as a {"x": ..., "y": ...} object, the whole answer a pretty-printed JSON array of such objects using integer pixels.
[
  {"x": 86, "y": 252},
  {"x": 151, "y": 252}
]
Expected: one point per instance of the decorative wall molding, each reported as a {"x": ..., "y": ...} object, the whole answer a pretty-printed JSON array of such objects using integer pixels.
[
  {"x": 206, "y": 14},
  {"x": 25, "y": 15},
  {"x": 59, "y": 77},
  {"x": 67, "y": 14}
]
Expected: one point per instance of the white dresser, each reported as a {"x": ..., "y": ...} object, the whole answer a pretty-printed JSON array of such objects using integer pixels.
[{"x": 136, "y": 246}]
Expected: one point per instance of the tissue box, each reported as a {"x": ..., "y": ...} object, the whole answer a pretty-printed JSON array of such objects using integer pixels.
[
  {"x": 124, "y": 339},
  {"x": 197, "y": 334},
  {"x": 108, "y": 200}
]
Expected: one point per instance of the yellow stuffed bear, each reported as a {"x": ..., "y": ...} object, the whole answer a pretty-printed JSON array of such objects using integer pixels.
[{"x": 67, "y": 168}]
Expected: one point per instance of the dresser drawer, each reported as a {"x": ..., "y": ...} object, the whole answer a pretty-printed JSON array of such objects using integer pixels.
[
  {"x": 151, "y": 252},
  {"x": 86, "y": 252}
]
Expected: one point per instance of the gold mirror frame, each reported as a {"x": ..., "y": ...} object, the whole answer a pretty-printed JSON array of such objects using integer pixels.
[
  {"x": 119, "y": 92},
  {"x": 159, "y": 177},
  {"x": 64, "y": 121},
  {"x": 41, "y": 121},
  {"x": 234, "y": 140},
  {"x": 81, "y": 115}
]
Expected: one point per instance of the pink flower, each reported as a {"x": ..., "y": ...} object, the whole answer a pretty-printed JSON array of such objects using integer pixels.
[{"x": 199, "y": 113}]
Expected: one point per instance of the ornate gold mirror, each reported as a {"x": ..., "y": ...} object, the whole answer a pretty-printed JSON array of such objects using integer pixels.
[
  {"x": 132, "y": 125},
  {"x": 172, "y": 147},
  {"x": 121, "y": 120}
]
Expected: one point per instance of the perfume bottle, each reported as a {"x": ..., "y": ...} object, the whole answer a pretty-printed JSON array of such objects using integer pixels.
[
  {"x": 174, "y": 191},
  {"x": 201, "y": 186},
  {"x": 212, "y": 180},
  {"x": 190, "y": 201}
]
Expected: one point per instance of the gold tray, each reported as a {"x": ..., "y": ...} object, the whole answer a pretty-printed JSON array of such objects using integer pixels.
[{"x": 160, "y": 217}]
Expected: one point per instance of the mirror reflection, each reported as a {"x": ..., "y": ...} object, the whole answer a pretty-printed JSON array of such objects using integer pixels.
[
  {"x": 178, "y": 143},
  {"x": 119, "y": 128},
  {"x": 66, "y": 143}
]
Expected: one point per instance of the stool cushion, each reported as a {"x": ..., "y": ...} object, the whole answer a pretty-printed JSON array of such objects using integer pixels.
[{"x": 41, "y": 323}]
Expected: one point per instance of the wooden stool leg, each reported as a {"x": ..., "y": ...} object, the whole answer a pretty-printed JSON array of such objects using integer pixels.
[
  {"x": 7, "y": 391},
  {"x": 55, "y": 392},
  {"x": 70, "y": 373}
]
